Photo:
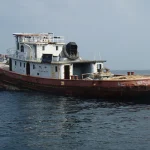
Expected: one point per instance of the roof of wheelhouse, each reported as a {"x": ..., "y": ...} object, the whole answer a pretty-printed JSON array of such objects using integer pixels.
[{"x": 31, "y": 34}]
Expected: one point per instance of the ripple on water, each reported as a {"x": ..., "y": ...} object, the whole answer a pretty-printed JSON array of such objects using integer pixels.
[{"x": 31, "y": 120}]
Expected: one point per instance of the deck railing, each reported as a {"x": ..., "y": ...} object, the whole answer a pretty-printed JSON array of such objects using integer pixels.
[
  {"x": 21, "y": 55},
  {"x": 42, "y": 39},
  {"x": 97, "y": 75}
]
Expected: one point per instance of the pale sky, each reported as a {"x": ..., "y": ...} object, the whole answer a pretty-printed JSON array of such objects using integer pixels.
[{"x": 114, "y": 30}]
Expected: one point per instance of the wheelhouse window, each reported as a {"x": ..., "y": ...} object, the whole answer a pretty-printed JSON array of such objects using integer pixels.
[
  {"x": 56, "y": 47},
  {"x": 22, "y": 48},
  {"x": 43, "y": 48}
]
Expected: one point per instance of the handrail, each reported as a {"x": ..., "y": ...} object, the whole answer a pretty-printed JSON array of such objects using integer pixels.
[{"x": 29, "y": 48}]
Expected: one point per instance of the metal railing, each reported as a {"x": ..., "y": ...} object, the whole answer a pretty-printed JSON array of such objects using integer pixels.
[
  {"x": 13, "y": 53},
  {"x": 42, "y": 39},
  {"x": 98, "y": 75}
]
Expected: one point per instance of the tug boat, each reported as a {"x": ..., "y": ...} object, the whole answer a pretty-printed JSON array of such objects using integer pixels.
[{"x": 43, "y": 62}]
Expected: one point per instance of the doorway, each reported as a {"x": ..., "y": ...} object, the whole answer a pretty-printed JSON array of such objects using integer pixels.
[
  {"x": 28, "y": 68},
  {"x": 99, "y": 67},
  {"x": 66, "y": 72},
  {"x": 10, "y": 64}
]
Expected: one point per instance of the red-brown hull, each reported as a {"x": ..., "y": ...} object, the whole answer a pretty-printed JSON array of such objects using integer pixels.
[{"x": 84, "y": 88}]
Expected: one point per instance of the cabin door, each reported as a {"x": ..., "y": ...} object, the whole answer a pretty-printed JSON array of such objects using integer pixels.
[
  {"x": 10, "y": 64},
  {"x": 28, "y": 68},
  {"x": 99, "y": 67},
  {"x": 66, "y": 72}
]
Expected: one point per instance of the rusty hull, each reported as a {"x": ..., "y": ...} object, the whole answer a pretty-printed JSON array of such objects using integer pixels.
[{"x": 111, "y": 89}]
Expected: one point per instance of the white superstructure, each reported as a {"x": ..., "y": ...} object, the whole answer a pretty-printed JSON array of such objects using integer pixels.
[{"x": 47, "y": 56}]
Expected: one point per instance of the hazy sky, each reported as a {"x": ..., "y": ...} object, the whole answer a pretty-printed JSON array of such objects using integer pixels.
[{"x": 115, "y": 30}]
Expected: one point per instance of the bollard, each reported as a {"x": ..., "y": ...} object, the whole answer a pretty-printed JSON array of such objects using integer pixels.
[
  {"x": 128, "y": 73},
  {"x": 72, "y": 77},
  {"x": 76, "y": 77}
]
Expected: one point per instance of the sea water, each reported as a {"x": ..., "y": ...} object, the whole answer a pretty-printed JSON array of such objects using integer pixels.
[{"x": 39, "y": 121}]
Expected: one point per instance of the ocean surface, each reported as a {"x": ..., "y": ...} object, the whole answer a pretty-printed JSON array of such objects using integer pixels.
[{"x": 39, "y": 121}]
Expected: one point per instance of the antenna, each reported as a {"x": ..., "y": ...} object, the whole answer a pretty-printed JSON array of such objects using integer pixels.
[
  {"x": 94, "y": 56},
  {"x": 99, "y": 56}
]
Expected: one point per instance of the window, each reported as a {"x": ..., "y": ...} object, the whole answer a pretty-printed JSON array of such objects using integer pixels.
[
  {"x": 24, "y": 65},
  {"x": 56, "y": 69},
  {"x": 33, "y": 66},
  {"x": 22, "y": 48},
  {"x": 43, "y": 48},
  {"x": 15, "y": 63},
  {"x": 56, "y": 47},
  {"x": 20, "y": 64},
  {"x": 38, "y": 74}
]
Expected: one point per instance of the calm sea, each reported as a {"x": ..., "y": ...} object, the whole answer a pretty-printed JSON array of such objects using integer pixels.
[{"x": 37, "y": 121}]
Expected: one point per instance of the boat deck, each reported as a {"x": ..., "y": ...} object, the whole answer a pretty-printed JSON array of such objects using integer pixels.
[
  {"x": 129, "y": 77},
  {"x": 116, "y": 77},
  {"x": 4, "y": 66}
]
